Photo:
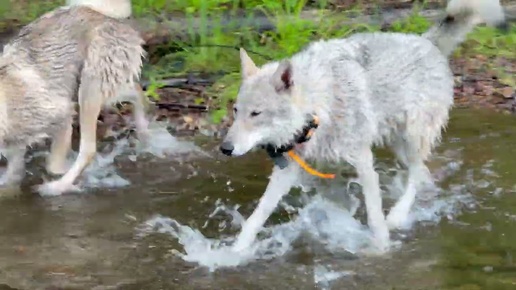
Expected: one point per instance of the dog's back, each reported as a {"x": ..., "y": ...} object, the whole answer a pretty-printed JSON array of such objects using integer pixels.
[
  {"x": 67, "y": 42},
  {"x": 409, "y": 79}
]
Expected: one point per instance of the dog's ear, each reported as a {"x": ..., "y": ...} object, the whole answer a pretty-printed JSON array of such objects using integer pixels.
[
  {"x": 282, "y": 78},
  {"x": 248, "y": 66}
]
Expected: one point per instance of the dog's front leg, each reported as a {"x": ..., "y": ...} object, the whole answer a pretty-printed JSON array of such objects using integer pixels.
[
  {"x": 369, "y": 180},
  {"x": 280, "y": 183}
]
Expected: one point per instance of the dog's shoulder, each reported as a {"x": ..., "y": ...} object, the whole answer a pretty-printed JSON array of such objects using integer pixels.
[{"x": 63, "y": 21}]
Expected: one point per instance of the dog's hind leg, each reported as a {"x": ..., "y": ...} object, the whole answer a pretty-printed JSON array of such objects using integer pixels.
[
  {"x": 413, "y": 152},
  {"x": 61, "y": 146},
  {"x": 15, "y": 166},
  {"x": 141, "y": 122},
  {"x": 137, "y": 98},
  {"x": 363, "y": 161},
  {"x": 90, "y": 102},
  {"x": 281, "y": 181}
]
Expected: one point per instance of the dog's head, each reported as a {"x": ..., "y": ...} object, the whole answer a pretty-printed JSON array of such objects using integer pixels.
[{"x": 266, "y": 110}]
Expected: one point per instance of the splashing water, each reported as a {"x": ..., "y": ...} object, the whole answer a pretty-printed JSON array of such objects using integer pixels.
[
  {"x": 326, "y": 222},
  {"x": 324, "y": 276},
  {"x": 320, "y": 218},
  {"x": 160, "y": 143}
]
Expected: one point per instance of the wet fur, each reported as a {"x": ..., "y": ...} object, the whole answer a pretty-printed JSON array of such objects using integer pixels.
[
  {"x": 384, "y": 89},
  {"x": 72, "y": 54},
  {"x": 112, "y": 8}
]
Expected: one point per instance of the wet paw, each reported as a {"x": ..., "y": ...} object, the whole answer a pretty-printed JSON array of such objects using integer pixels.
[
  {"x": 381, "y": 243},
  {"x": 398, "y": 219},
  {"x": 56, "y": 188},
  {"x": 57, "y": 168},
  {"x": 380, "y": 239},
  {"x": 144, "y": 136}
]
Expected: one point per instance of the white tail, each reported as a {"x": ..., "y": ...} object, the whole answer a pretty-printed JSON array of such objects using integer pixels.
[
  {"x": 461, "y": 18},
  {"x": 111, "y": 8}
]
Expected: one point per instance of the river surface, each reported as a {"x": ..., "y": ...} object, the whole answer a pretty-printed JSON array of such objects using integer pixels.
[{"x": 152, "y": 221}]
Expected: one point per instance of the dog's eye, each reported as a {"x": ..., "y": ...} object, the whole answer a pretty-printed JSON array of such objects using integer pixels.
[
  {"x": 235, "y": 110},
  {"x": 254, "y": 113}
]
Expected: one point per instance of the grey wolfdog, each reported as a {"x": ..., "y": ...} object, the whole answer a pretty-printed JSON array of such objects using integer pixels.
[
  {"x": 84, "y": 52},
  {"x": 384, "y": 89}
]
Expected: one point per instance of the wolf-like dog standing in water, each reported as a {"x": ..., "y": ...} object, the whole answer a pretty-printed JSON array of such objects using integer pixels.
[
  {"x": 369, "y": 89},
  {"x": 84, "y": 52}
]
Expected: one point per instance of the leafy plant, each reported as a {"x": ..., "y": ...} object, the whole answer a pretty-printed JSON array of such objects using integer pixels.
[
  {"x": 152, "y": 89},
  {"x": 413, "y": 24},
  {"x": 226, "y": 89}
]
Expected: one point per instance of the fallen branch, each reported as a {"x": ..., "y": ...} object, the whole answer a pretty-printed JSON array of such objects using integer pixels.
[
  {"x": 179, "y": 106},
  {"x": 177, "y": 82}
]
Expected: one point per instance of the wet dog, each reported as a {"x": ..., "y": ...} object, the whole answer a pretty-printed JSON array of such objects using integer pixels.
[
  {"x": 85, "y": 53},
  {"x": 383, "y": 89}
]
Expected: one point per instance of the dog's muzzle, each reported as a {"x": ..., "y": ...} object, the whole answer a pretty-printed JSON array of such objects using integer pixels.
[{"x": 227, "y": 148}]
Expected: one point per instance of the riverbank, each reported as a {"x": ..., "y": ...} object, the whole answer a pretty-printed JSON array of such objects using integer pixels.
[{"x": 192, "y": 70}]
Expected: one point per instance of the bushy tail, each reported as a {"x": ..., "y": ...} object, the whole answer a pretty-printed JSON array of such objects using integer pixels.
[{"x": 461, "y": 18}]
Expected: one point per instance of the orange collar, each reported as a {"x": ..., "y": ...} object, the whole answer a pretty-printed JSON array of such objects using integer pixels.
[
  {"x": 307, "y": 167},
  {"x": 279, "y": 159}
]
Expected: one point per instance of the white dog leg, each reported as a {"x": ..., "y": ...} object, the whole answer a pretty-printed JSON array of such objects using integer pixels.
[
  {"x": 373, "y": 200},
  {"x": 15, "y": 166},
  {"x": 398, "y": 216},
  {"x": 61, "y": 146},
  {"x": 90, "y": 101},
  {"x": 136, "y": 96},
  {"x": 281, "y": 181},
  {"x": 141, "y": 122}
]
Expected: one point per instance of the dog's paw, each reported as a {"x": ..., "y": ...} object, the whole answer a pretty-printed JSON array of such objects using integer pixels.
[
  {"x": 380, "y": 238},
  {"x": 381, "y": 244},
  {"x": 398, "y": 218},
  {"x": 56, "y": 188},
  {"x": 57, "y": 167},
  {"x": 144, "y": 136}
]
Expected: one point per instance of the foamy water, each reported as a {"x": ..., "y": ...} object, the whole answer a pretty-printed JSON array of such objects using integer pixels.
[
  {"x": 327, "y": 222},
  {"x": 324, "y": 276},
  {"x": 102, "y": 172}
]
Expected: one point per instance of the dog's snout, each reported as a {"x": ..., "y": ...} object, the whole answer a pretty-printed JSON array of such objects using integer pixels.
[{"x": 227, "y": 148}]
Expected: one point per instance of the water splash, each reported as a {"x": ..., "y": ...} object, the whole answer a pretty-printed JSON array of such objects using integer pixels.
[
  {"x": 327, "y": 222},
  {"x": 320, "y": 218},
  {"x": 323, "y": 276},
  {"x": 102, "y": 172}
]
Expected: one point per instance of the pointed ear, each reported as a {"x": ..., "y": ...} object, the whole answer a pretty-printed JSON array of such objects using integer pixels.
[
  {"x": 248, "y": 66},
  {"x": 282, "y": 78}
]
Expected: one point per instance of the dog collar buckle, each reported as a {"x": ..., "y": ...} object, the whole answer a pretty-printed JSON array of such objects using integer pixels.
[{"x": 276, "y": 153}]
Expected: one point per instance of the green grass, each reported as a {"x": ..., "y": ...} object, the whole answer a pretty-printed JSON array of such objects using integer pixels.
[{"x": 210, "y": 48}]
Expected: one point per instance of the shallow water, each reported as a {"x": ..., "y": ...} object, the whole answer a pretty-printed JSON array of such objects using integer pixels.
[{"x": 147, "y": 221}]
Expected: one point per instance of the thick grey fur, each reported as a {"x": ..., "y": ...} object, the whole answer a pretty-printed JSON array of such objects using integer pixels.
[{"x": 72, "y": 54}]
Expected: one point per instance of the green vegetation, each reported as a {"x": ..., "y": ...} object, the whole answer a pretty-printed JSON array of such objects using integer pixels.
[{"x": 210, "y": 47}]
